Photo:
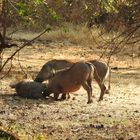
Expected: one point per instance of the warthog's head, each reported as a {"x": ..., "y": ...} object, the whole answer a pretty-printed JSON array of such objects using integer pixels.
[
  {"x": 46, "y": 92},
  {"x": 45, "y": 73}
]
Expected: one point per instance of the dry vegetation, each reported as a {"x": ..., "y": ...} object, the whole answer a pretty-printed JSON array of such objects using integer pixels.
[{"x": 117, "y": 117}]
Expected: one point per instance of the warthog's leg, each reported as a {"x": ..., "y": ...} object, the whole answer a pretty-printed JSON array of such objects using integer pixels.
[
  {"x": 103, "y": 88},
  {"x": 56, "y": 95},
  {"x": 65, "y": 96},
  {"x": 107, "y": 91},
  {"x": 89, "y": 90},
  {"x": 68, "y": 96},
  {"x": 101, "y": 85},
  {"x": 101, "y": 97},
  {"x": 57, "y": 91},
  {"x": 89, "y": 81}
]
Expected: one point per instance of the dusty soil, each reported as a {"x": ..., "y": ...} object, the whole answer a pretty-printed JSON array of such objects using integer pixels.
[{"x": 117, "y": 117}]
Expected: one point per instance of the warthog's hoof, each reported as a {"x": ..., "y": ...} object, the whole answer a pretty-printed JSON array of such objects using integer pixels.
[
  {"x": 90, "y": 101},
  {"x": 63, "y": 97},
  {"x": 93, "y": 96},
  {"x": 106, "y": 91},
  {"x": 68, "y": 96},
  {"x": 55, "y": 99},
  {"x": 100, "y": 99}
]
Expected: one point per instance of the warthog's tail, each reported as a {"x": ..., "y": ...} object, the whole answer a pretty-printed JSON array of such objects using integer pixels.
[
  {"x": 90, "y": 65},
  {"x": 108, "y": 75},
  {"x": 95, "y": 72}
]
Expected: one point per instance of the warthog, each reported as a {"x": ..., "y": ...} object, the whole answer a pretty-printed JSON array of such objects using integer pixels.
[
  {"x": 70, "y": 80},
  {"x": 53, "y": 66},
  {"x": 29, "y": 89}
]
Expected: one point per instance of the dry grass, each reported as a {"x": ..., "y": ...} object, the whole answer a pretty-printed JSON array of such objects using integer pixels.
[
  {"x": 79, "y": 35},
  {"x": 95, "y": 38},
  {"x": 69, "y": 33},
  {"x": 117, "y": 117}
]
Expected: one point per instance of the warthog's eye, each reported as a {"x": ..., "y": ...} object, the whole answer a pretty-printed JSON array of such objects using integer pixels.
[{"x": 44, "y": 67}]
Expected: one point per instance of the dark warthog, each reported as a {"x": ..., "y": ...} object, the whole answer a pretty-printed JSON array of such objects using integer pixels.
[
  {"x": 53, "y": 66},
  {"x": 70, "y": 80},
  {"x": 29, "y": 89}
]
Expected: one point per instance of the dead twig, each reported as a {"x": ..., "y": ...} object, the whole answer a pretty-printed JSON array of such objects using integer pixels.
[
  {"x": 8, "y": 70},
  {"x": 20, "y": 48}
]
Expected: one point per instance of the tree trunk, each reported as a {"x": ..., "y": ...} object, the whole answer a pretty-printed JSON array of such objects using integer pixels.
[
  {"x": 4, "y": 17},
  {"x": 4, "y": 12},
  {"x": 0, "y": 59}
]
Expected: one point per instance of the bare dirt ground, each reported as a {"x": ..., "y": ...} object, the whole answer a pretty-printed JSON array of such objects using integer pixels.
[{"x": 117, "y": 117}]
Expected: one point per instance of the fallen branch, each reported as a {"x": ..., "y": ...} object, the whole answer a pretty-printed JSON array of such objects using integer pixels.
[{"x": 8, "y": 70}]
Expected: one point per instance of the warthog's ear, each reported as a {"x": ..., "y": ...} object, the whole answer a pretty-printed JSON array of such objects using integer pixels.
[{"x": 20, "y": 78}]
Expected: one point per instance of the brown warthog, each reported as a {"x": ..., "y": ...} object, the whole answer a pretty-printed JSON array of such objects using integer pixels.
[
  {"x": 70, "y": 80},
  {"x": 29, "y": 89},
  {"x": 53, "y": 66}
]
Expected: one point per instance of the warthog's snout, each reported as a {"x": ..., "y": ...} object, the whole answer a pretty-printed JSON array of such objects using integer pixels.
[
  {"x": 37, "y": 79},
  {"x": 46, "y": 92}
]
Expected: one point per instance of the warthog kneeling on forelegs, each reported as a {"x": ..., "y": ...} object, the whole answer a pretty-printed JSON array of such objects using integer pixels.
[
  {"x": 29, "y": 89},
  {"x": 53, "y": 66},
  {"x": 70, "y": 80}
]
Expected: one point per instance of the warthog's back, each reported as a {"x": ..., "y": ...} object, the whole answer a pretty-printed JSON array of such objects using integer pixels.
[
  {"x": 29, "y": 89},
  {"x": 102, "y": 68},
  {"x": 60, "y": 64}
]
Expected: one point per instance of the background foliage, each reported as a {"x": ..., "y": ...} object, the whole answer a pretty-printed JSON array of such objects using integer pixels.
[{"x": 39, "y": 13}]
